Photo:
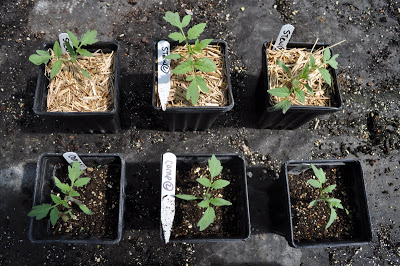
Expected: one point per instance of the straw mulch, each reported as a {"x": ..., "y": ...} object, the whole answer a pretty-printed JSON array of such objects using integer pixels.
[
  {"x": 295, "y": 59},
  {"x": 71, "y": 91},
  {"x": 217, "y": 82}
]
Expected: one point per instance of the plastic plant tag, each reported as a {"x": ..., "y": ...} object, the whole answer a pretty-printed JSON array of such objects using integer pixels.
[
  {"x": 164, "y": 75},
  {"x": 168, "y": 183},
  {"x": 71, "y": 157},
  {"x": 63, "y": 37},
  {"x": 283, "y": 37}
]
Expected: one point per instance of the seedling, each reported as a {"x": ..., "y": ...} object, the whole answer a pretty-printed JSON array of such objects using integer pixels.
[
  {"x": 43, "y": 57},
  {"x": 324, "y": 194},
  {"x": 295, "y": 83},
  {"x": 208, "y": 198},
  {"x": 41, "y": 211},
  {"x": 188, "y": 65}
]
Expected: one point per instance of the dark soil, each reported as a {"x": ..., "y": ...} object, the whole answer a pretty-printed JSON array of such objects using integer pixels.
[
  {"x": 188, "y": 213},
  {"x": 101, "y": 196},
  {"x": 309, "y": 222}
]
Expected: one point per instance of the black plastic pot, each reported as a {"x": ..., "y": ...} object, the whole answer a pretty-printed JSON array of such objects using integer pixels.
[
  {"x": 192, "y": 118},
  {"x": 297, "y": 115},
  {"x": 40, "y": 230},
  {"x": 236, "y": 164},
  {"x": 87, "y": 122},
  {"x": 354, "y": 175}
]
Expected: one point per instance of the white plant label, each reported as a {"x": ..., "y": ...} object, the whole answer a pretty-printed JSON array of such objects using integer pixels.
[
  {"x": 283, "y": 37},
  {"x": 71, "y": 157},
  {"x": 168, "y": 184},
  {"x": 62, "y": 38},
  {"x": 164, "y": 75}
]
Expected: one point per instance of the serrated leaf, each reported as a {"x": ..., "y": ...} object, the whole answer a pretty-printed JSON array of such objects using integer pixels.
[
  {"x": 207, "y": 219},
  {"x": 319, "y": 173},
  {"x": 204, "y": 204},
  {"x": 173, "y": 56},
  {"x": 55, "y": 68},
  {"x": 40, "y": 211},
  {"x": 332, "y": 62},
  {"x": 56, "y": 199},
  {"x": 177, "y": 36},
  {"x": 202, "y": 84},
  {"x": 332, "y": 218},
  {"x": 85, "y": 209},
  {"x": 205, "y": 64},
  {"x": 84, "y": 52},
  {"x": 201, "y": 45},
  {"x": 305, "y": 71},
  {"x": 173, "y": 19},
  {"x": 313, "y": 203},
  {"x": 73, "y": 38},
  {"x": 325, "y": 75},
  {"x": 189, "y": 78},
  {"x": 39, "y": 59},
  {"x": 315, "y": 183},
  {"x": 195, "y": 31},
  {"x": 220, "y": 183},
  {"x": 309, "y": 89},
  {"x": 184, "y": 67},
  {"x": 85, "y": 73},
  {"x": 82, "y": 181},
  {"x": 300, "y": 95},
  {"x": 204, "y": 181},
  {"x": 63, "y": 187},
  {"x": 215, "y": 166},
  {"x": 192, "y": 92},
  {"x": 329, "y": 189},
  {"x": 43, "y": 53},
  {"x": 65, "y": 204},
  {"x": 74, "y": 171},
  {"x": 89, "y": 38},
  {"x": 282, "y": 105},
  {"x": 186, "y": 20},
  {"x": 54, "y": 215},
  {"x": 280, "y": 92},
  {"x": 73, "y": 193},
  {"x": 312, "y": 61},
  {"x": 70, "y": 49},
  {"x": 185, "y": 197},
  {"x": 220, "y": 202},
  {"x": 282, "y": 65},
  {"x": 327, "y": 54},
  {"x": 333, "y": 202},
  {"x": 57, "y": 49}
]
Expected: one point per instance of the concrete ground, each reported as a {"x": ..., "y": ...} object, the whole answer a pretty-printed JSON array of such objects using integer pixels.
[{"x": 368, "y": 71}]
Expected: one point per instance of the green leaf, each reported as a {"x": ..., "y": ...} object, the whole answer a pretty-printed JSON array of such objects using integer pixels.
[
  {"x": 74, "y": 171},
  {"x": 207, "y": 219},
  {"x": 347, "y": 212},
  {"x": 64, "y": 218},
  {"x": 40, "y": 211},
  {"x": 65, "y": 203},
  {"x": 329, "y": 189},
  {"x": 220, "y": 183},
  {"x": 204, "y": 181},
  {"x": 41, "y": 58},
  {"x": 327, "y": 54},
  {"x": 315, "y": 183},
  {"x": 63, "y": 187},
  {"x": 189, "y": 78},
  {"x": 57, "y": 49},
  {"x": 85, "y": 73},
  {"x": 56, "y": 199},
  {"x": 332, "y": 62},
  {"x": 306, "y": 70},
  {"x": 73, "y": 193},
  {"x": 70, "y": 49},
  {"x": 85, "y": 209},
  {"x": 193, "y": 92},
  {"x": 73, "y": 38},
  {"x": 301, "y": 95},
  {"x": 280, "y": 92},
  {"x": 54, "y": 215},
  {"x": 282, "y": 105},
  {"x": 89, "y": 38},
  {"x": 204, "y": 203},
  {"x": 220, "y": 202},
  {"x": 84, "y": 52},
  {"x": 325, "y": 75},
  {"x": 183, "y": 68},
  {"x": 177, "y": 36},
  {"x": 215, "y": 166},
  {"x": 185, "y": 21},
  {"x": 195, "y": 31},
  {"x": 186, "y": 197},
  {"x": 82, "y": 181},
  {"x": 205, "y": 64},
  {"x": 310, "y": 90},
  {"x": 173, "y": 19},
  {"x": 313, "y": 203},
  {"x": 43, "y": 53},
  {"x": 202, "y": 84},
  {"x": 55, "y": 68},
  {"x": 173, "y": 56},
  {"x": 319, "y": 173},
  {"x": 282, "y": 65},
  {"x": 312, "y": 61},
  {"x": 333, "y": 202},
  {"x": 201, "y": 45},
  {"x": 332, "y": 218}
]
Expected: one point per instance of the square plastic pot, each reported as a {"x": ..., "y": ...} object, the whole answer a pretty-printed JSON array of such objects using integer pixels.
[
  {"x": 40, "y": 230},
  {"x": 236, "y": 164},
  {"x": 192, "y": 118},
  {"x": 80, "y": 122},
  {"x": 297, "y": 115},
  {"x": 354, "y": 174}
]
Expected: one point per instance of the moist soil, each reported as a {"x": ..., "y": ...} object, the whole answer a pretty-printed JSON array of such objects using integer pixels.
[
  {"x": 309, "y": 222},
  {"x": 101, "y": 196},
  {"x": 188, "y": 213}
]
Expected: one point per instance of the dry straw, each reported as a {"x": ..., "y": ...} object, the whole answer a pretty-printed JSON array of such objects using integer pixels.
[
  {"x": 70, "y": 91},
  {"x": 217, "y": 82}
]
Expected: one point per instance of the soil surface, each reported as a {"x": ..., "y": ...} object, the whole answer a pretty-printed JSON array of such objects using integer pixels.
[{"x": 366, "y": 129}]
